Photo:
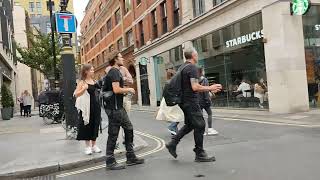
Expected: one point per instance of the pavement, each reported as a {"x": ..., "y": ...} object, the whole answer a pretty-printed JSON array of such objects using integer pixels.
[
  {"x": 307, "y": 119},
  {"x": 36, "y": 149},
  {"x": 245, "y": 150},
  {"x": 31, "y": 148}
]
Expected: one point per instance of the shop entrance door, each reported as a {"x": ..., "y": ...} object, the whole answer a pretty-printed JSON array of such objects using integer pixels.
[{"x": 145, "y": 91}]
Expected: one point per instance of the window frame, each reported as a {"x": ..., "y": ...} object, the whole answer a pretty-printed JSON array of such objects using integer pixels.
[
  {"x": 164, "y": 15},
  {"x": 176, "y": 13},
  {"x": 154, "y": 23},
  {"x": 117, "y": 15},
  {"x": 109, "y": 21},
  {"x": 120, "y": 46},
  {"x": 129, "y": 42},
  {"x": 141, "y": 30},
  {"x": 126, "y": 8}
]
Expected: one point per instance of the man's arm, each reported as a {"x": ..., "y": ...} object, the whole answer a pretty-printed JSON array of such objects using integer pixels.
[
  {"x": 199, "y": 88},
  {"x": 119, "y": 90}
]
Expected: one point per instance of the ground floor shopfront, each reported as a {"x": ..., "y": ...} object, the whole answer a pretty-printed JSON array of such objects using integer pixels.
[{"x": 255, "y": 41}]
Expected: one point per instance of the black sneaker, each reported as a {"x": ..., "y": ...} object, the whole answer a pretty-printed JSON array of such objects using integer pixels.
[
  {"x": 134, "y": 161},
  {"x": 172, "y": 150},
  {"x": 203, "y": 157},
  {"x": 115, "y": 166}
]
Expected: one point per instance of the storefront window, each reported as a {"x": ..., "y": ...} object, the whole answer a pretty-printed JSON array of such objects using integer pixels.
[
  {"x": 165, "y": 65},
  {"x": 311, "y": 28},
  {"x": 234, "y": 57}
]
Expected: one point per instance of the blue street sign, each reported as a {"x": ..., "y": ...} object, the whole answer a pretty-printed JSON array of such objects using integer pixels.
[{"x": 66, "y": 23}]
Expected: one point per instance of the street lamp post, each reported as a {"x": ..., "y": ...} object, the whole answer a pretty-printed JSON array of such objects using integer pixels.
[{"x": 69, "y": 75}]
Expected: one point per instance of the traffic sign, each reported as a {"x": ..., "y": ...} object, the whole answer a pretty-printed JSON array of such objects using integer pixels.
[{"x": 66, "y": 23}]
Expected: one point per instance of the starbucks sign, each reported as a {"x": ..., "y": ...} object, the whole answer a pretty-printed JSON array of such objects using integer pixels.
[{"x": 300, "y": 7}]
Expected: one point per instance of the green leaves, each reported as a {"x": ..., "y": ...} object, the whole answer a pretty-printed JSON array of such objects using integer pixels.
[
  {"x": 6, "y": 97},
  {"x": 39, "y": 53}
]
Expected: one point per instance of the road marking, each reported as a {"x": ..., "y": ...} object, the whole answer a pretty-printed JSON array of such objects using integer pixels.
[
  {"x": 255, "y": 121},
  {"x": 160, "y": 146},
  {"x": 269, "y": 122}
]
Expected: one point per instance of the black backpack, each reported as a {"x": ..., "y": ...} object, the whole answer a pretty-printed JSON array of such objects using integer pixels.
[{"x": 172, "y": 91}]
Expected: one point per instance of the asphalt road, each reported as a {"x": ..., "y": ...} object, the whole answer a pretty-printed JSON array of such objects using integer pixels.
[{"x": 244, "y": 151}]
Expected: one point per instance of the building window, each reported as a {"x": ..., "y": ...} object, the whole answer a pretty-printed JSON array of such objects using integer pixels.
[
  {"x": 164, "y": 17},
  {"x": 38, "y": 6},
  {"x": 120, "y": 44},
  {"x": 90, "y": 22},
  {"x": 129, "y": 36},
  {"x": 111, "y": 48},
  {"x": 176, "y": 13},
  {"x": 217, "y": 2},
  {"x": 94, "y": 15},
  {"x": 97, "y": 39},
  {"x": 48, "y": 26},
  {"x": 198, "y": 7},
  {"x": 102, "y": 32},
  {"x": 100, "y": 7},
  {"x": 92, "y": 42},
  {"x": 141, "y": 33},
  {"x": 36, "y": 26},
  {"x": 127, "y": 6},
  {"x": 138, "y": 2},
  {"x": 154, "y": 24},
  {"x": 31, "y": 7},
  {"x": 118, "y": 16},
  {"x": 109, "y": 25}
]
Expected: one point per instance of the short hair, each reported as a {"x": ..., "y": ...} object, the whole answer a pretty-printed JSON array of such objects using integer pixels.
[
  {"x": 188, "y": 52},
  {"x": 113, "y": 58}
]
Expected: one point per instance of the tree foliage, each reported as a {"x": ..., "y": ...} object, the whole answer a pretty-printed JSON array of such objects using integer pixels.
[{"x": 39, "y": 53}]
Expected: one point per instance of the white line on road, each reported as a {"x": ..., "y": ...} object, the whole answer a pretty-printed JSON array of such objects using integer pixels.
[
  {"x": 160, "y": 146},
  {"x": 257, "y": 121}
]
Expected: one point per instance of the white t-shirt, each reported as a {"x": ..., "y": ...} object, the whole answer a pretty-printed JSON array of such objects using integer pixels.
[{"x": 245, "y": 87}]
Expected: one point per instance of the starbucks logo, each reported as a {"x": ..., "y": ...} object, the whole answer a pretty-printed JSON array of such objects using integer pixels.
[{"x": 300, "y": 7}]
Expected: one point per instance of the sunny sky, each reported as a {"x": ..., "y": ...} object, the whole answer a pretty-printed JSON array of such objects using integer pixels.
[{"x": 79, "y": 7}]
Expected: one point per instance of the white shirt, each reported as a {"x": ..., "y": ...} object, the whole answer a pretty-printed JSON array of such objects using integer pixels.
[{"x": 243, "y": 88}]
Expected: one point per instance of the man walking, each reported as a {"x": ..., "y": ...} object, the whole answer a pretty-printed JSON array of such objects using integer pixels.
[
  {"x": 190, "y": 106},
  {"x": 205, "y": 102},
  {"x": 118, "y": 116}
]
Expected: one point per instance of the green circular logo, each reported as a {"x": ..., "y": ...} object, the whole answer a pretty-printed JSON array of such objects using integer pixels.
[
  {"x": 300, "y": 7},
  {"x": 143, "y": 61}
]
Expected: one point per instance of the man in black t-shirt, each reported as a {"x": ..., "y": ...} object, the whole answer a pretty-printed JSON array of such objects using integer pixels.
[
  {"x": 191, "y": 108},
  {"x": 118, "y": 116}
]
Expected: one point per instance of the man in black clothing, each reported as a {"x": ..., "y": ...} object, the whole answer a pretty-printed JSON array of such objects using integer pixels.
[
  {"x": 190, "y": 106},
  {"x": 118, "y": 116}
]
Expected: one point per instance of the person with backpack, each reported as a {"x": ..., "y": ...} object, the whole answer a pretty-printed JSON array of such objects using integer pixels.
[
  {"x": 186, "y": 81},
  {"x": 118, "y": 117},
  {"x": 128, "y": 81},
  {"x": 205, "y": 102}
]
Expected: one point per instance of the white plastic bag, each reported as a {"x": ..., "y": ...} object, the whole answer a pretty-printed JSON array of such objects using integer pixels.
[{"x": 169, "y": 113}]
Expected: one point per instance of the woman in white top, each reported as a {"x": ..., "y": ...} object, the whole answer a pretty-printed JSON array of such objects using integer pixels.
[
  {"x": 89, "y": 109},
  {"x": 27, "y": 102}
]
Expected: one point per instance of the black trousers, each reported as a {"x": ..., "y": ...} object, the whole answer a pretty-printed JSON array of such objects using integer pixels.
[
  {"x": 21, "y": 109},
  {"x": 193, "y": 121},
  {"x": 27, "y": 110},
  {"x": 119, "y": 118}
]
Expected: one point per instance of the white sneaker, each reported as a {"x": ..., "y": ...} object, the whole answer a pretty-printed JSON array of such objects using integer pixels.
[
  {"x": 212, "y": 131},
  {"x": 88, "y": 151},
  {"x": 95, "y": 149}
]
